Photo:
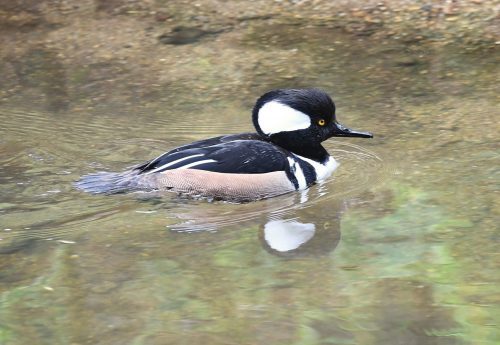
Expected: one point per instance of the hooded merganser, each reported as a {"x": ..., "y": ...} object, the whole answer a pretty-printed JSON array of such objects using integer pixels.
[{"x": 283, "y": 156}]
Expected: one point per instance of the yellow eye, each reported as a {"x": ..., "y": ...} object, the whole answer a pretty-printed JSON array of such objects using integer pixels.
[{"x": 321, "y": 122}]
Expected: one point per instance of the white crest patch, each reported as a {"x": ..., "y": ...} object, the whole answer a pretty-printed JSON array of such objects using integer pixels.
[{"x": 275, "y": 117}]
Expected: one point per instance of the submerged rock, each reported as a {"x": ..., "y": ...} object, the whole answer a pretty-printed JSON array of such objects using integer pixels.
[
  {"x": 186, "y": 35},
  {"x": 407, "y": 62}
]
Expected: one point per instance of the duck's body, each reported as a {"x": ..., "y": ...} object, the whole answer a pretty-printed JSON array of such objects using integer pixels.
[{"x": 284, "y": 155}]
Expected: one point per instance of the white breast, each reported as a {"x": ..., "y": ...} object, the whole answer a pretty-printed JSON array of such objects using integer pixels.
[{"x": 323, "y": 171}]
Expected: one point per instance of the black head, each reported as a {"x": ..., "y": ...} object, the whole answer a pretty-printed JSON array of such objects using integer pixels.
[{"x": 299, "y": 120}]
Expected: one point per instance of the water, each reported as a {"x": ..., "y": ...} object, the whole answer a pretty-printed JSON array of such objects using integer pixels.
[{"x": 399, "y": 246}]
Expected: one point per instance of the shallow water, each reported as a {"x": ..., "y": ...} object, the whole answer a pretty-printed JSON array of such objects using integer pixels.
[{"x": 399, "y": 246}]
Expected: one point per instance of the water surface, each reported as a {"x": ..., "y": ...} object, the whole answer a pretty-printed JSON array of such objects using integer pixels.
[{"x": 399, "y": 246}]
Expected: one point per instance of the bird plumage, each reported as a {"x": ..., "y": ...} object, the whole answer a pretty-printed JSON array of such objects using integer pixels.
[{"x": 284, "y": 154}]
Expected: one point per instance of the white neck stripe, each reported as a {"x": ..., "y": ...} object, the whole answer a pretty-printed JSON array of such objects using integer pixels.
[{"x": 323, "y": 171}]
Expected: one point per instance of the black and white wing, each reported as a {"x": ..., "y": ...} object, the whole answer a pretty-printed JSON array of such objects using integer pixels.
[
  {"x": 241, "y": 154},
  {"x": 236, "y": 154}
]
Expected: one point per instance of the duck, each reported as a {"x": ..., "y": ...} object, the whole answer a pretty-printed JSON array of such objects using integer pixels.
[{"x": 284, "y": 154}]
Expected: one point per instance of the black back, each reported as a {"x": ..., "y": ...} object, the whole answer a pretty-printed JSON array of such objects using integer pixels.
[{"x": 246, "y": 153}]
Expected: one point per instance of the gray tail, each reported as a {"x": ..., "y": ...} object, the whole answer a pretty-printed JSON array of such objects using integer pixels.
[{"x": 105, "y": 183}]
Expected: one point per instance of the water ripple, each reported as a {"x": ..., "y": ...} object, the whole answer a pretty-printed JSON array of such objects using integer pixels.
[
  {"x": 360, "y": 169},
  {"x": 44, "y": 153}
]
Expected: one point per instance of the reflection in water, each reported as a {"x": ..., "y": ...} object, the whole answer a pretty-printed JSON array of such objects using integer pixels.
[
  {"x": 298, "y": 237},
  {"x": 210, "y": 216},
  {"x": 282, "y": 232},
  {"x": 284, "y": 236}
]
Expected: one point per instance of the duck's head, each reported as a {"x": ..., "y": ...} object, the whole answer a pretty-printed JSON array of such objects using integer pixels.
[{"x": 299, "y": 119}]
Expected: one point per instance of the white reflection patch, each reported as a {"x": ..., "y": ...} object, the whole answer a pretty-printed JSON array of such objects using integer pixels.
[{"x": 284, "y": 236}]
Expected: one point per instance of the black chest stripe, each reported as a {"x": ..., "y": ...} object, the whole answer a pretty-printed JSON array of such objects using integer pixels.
[
  {"x": 290, "y": 173},
  {"x": 309, "y": 172}
]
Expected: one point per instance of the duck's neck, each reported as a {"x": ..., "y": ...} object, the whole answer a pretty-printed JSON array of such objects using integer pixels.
[
  {"x": 314, "y": 151},
  {"x": 317, "y": 153}
]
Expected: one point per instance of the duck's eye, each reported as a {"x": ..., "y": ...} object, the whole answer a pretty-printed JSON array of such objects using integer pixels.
[{"x": 321, "y": 122}]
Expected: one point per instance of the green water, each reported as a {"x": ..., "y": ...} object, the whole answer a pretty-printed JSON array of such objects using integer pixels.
[{"x": 399, "y": 246}]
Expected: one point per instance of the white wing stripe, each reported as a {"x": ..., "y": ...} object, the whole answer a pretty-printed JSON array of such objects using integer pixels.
[
  {"x": 197, "y": 163},
  {"x": 164, "y": 166}
]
